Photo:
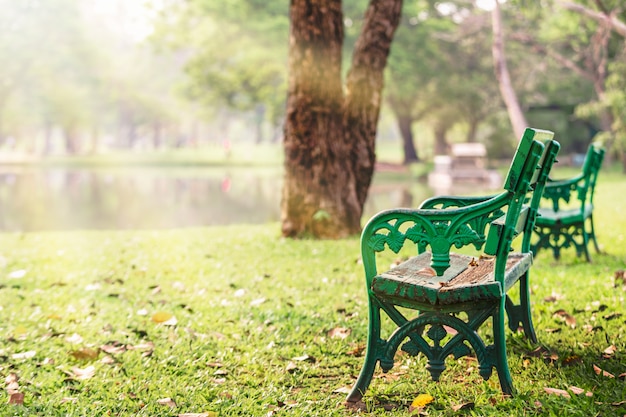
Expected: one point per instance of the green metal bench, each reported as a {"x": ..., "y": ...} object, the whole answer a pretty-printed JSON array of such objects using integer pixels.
[
  {"x": 566, "y": 216},
  {"x": 447, "y": 290}
]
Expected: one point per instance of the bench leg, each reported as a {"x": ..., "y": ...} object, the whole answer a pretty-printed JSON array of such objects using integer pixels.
[
  {"x": 371, "y": 355},
  {"x": 521, "y": 314},
  {"x": 501, "y": 362},
  {"x": 592, "y": 234}
]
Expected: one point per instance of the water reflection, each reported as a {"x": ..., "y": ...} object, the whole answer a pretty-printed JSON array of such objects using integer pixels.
[
  {"x": 65, "y": 199},
  {"x": 33, "y": 199}
]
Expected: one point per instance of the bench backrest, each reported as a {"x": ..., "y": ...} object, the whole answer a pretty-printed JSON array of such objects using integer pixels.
[
  {"x": 580, "y": 188},
  {"x": 528, "y": 190},
  {"x": 439, "y": 230}
]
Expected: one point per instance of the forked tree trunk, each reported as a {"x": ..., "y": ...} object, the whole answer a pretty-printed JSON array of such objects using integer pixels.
[{"x": 329, "y": 138}]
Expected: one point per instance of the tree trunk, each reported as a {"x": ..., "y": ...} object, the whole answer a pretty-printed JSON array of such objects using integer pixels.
[
  {"x": 364, "y": 89},
  {"x": 329, "y": 141},
  {"x": 408, "y": 146},
  {"x": 518, "y": 121},
  {"x": 319, "y": 196},
  {"x": 404, "y": 119},
  {"x": 441, "y": 144},
  {"x": 71, "y": 140},
  {"x": 472, "y": 130}
]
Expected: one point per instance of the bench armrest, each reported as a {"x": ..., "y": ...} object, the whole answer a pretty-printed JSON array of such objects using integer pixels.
[
  {"x": 441, "y": 229},
  {"x": 445, "y": 202}
]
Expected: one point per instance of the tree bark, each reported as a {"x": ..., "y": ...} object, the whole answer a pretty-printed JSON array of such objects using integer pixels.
[
  {"x": 329, "y": 139},
  {"x": 364, "y": 88},
  {"x": 516, "y": 116}
]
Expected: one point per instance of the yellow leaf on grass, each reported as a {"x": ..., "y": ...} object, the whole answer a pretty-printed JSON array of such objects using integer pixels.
[
  {"x": 422, "y": 400},
  {"x": 162, "y": 317},
  {"x": 20, "y": 331}
]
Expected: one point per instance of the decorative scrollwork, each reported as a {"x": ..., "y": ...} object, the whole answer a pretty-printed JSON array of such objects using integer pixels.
[{"x": 437, "y": 352}]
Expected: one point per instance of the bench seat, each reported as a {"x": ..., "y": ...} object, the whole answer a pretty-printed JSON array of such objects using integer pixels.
[
  {"x": 468, "y": 279},
  {"x": 550, "y": 217},
  {"x": 565, "y": 214}
]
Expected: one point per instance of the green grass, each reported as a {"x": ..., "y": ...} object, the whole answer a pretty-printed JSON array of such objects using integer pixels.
[{"x": 254, "y": 334}]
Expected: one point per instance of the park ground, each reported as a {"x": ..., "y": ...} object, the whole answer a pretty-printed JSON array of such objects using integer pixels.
[{"x": 237, "y": 321}]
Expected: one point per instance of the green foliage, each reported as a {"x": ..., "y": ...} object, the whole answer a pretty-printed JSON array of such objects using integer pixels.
[{"x": 238, "y": 52}]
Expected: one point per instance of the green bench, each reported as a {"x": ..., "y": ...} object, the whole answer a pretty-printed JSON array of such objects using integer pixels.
[
  {"x": 447, "y": 290},
  {"x": 566, "y": 212}
]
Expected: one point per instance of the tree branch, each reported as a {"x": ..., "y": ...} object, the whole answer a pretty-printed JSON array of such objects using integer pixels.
[
  {"x": 561, "y": 59},
  {"x": 606, "y": 17}
]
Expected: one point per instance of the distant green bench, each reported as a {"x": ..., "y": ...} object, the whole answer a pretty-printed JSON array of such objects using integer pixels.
[
  {"x": 566, "y": 218},
  {"x": 447, "y": 290}
]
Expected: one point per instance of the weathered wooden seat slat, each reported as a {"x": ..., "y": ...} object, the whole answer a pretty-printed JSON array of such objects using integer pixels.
[
  {"x": 449, "y": 290},
  {"x": 566, "y": 213},
  {"x": 468, "y": 279}
]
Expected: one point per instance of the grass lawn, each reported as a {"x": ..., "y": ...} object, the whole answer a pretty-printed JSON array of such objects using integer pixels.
[{"x": 235, "y": 321}]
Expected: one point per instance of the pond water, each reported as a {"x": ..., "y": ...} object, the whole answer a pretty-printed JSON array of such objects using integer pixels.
[{"x": 37, "y": 199}]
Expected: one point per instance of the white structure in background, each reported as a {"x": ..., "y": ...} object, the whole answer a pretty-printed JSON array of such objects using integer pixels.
[{"x": 465, "y": 165}]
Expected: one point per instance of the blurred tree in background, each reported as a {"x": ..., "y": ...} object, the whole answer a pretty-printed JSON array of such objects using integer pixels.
[{"x": 82, "y": 76}]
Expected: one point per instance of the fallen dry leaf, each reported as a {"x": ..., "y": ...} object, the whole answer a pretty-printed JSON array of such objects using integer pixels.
[
  {"x": 214, "y": 364},
  {"x": 166, "y": 401},
  {"x": 257, "y": 302},
  {"x": 161, "y": 317},
  {"x": 107, "y": 360},
  {"x": 24, "y": 355},
  {"x": 68, "y": 400},
  {"x": 11, "y": 378},
  {"x": 600, "y": 371},
  {"x": 565, "y": 316},
  {"x": 343, "y": 390},
  {"x": 85, "y": 354},
  {"x": 572, "y": 360},
  {"x": 556, "y": 391},
  {"x": 612, "y": 316},
  {"x": 609, "y": 352},
  {"x": 291, "y": 367},
  {"x": 16, "y": 398},
  {"x": 339, "y": 333},
  {"x": 464, "y": 406},
  {"x": 113, "y": 349},
  {"x": 304, "y": 358},
  {"x": 421, "y": 401},
  {"x": 83, "y": 373},
  {"x": 578, "y": 391},
  {"x": 357, "y": 350},
  {"x": 74, "y": 339}
]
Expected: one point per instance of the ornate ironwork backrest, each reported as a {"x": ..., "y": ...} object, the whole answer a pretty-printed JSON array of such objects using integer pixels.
[
  {"x": 441, "y": 229},
  {"x": 538, "y": 183},
  {"x": 591, "y": 169},
  {"x": 580, "y": 187}
]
